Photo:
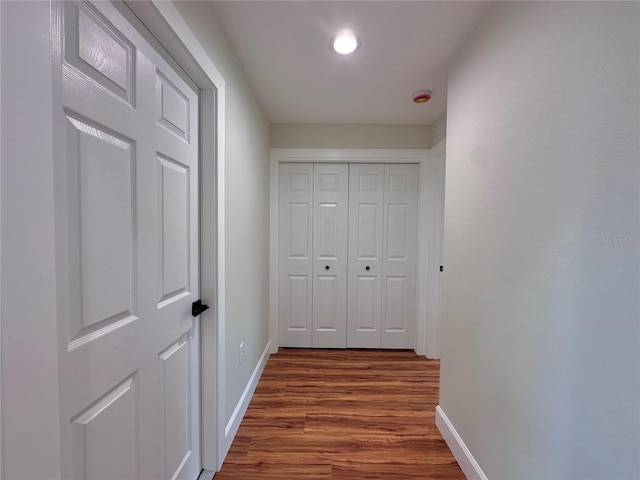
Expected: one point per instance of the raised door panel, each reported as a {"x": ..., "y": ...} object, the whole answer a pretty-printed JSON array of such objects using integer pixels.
[
  {"x": 295, "y": 242},
  {"x": 398, "y": 245},
  {"x": 299, "y": 216},
  {"x": 368, "y": 227},
  {"x": 400, "y": 256},
  {"x": 395, "y": 313},
  {"x": 297, "y": 316},
  {"x": 174, "y": 252},
  {"x": 176, "y": 384},
  {"x": 366, "y": 299},
  {"x": 331, "y": 193},
  {"x": 326, "y": 240},
  {"x": 365, "y": 255},
  {"x": 326, "y": 316},
  {"x": 101, "y": 232},
  {"x": 172, "y": 107},
  {"x": 105, "y": 435},
  {"x": 96, "y": 49}
]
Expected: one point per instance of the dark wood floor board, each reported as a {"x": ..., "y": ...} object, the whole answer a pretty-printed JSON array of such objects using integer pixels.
[
  {"x": 342, "y": 415},
  {"x": 365, "y": 471},
  {"x": 354, "y": 424},
  {"x": 346, "y": 400},
  {"x": 276, "y": 471},
  {"x": 385, "y": 447}
]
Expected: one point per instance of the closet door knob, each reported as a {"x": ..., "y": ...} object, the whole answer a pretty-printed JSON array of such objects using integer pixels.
[
  {"x": 327, "y": 267},
  {"x": 367, "y": 267}
]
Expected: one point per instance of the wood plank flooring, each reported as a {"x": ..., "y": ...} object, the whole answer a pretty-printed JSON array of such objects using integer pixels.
[{"x": 342, "y": 415}]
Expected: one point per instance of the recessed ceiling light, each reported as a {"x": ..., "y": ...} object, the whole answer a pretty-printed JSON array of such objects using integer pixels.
[{"x": 345, "y": 42}]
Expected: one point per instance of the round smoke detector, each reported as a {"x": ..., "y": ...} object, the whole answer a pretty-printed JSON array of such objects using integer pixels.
[{"x": 422, "y": 96}]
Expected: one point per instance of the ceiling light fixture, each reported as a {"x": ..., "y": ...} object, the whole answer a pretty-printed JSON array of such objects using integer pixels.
[{"x": 345, "y": 42}]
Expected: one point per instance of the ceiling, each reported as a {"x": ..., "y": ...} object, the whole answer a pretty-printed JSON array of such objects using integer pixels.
[{"x": 405, "y": 47}]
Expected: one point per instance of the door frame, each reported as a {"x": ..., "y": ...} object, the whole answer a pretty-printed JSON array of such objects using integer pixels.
[
  {"x": 29, "y": 349},
  {"x": 430, "y": 225}
]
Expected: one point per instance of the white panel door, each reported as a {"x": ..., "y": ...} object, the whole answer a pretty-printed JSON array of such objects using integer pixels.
[
  {"x": 399, "y": 256},
  {"x": 366, "y": 204},
  {"x": 127, "y": 254},
  {"x": 330, "y": 218},
  {"x": 295, "y": 239}
]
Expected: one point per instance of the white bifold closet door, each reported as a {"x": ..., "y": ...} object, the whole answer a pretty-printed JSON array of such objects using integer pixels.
[
  {"x": 382, "y": 256},
  {"x": 347, "y": 255},
  {"x": 366, "y": 211},
  {"x": 295, "y": 241},
  {"x": 313, "y": 255},
  {"x": 399, "y": 256},
  {"x": 330, "y": 214}
]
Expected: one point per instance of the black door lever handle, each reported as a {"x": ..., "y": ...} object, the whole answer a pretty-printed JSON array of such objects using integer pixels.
[{"x": 198, "y": 307}]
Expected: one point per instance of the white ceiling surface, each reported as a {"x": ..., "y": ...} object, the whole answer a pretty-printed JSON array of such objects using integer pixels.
[{"x": 405, "y": 46}]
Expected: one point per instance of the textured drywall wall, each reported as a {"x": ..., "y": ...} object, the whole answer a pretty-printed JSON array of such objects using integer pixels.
[
  {"x": 540, "y": 324},
  {"x": 350, "y": 136},
  {"x": 247, "y": 205},
  {"x": 439, "y": 129}
]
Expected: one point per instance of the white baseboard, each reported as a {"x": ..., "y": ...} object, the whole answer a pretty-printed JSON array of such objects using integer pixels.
[
  {"x": 467, "y": 463},
  {"x": 241, "y": 408}
]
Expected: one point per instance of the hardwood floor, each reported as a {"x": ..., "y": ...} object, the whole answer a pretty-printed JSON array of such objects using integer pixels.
[{"x": 342, "y": 414}]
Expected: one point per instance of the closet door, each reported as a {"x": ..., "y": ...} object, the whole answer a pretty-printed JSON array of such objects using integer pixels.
[
  {"x": 399, "y": 256},
  {"x": 331, "y": 195},
  {"x": 366, "y": 204},
  {"x": 295, "y": 231}
]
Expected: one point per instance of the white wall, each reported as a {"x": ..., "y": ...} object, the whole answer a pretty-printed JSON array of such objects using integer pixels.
[
  {"x": 30, "y": 409},
  {"x": 439, "y": 129},
  {"x": 247, "y": 205},
  {"x": 540, "y": 341},
  {"x": 350, "y": 136}
]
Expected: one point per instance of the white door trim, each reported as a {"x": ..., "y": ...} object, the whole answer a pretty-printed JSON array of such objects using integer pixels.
[
  {"x": 29, "y": 333},
  {"x": 434, "y": 182},
  {"x": 428, "y": 258},
  {"x": 1, "y": 464}
]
